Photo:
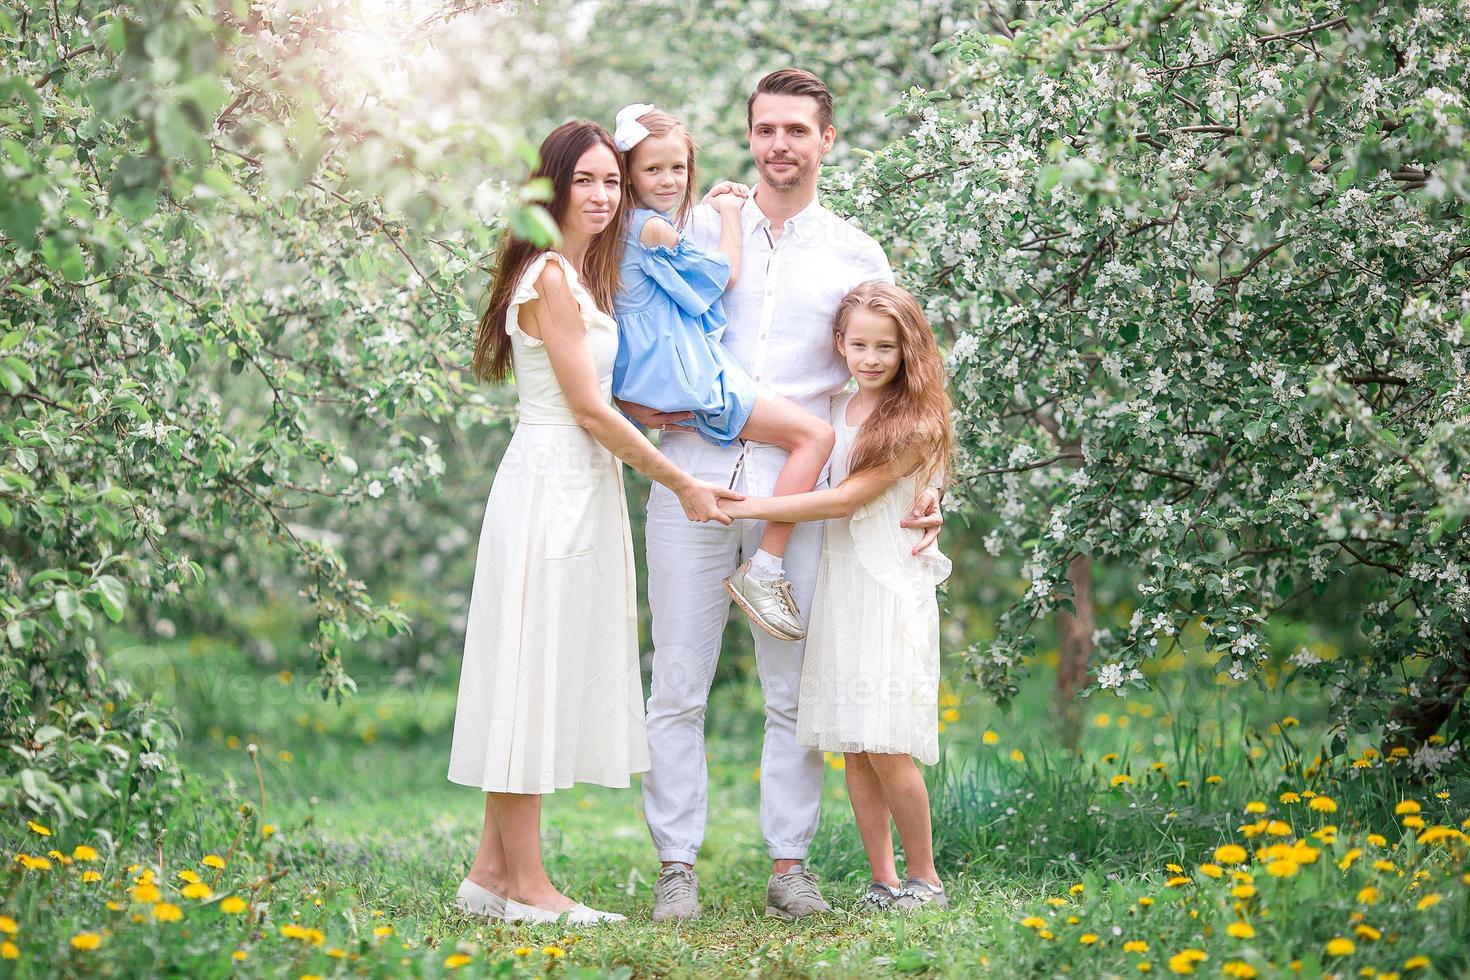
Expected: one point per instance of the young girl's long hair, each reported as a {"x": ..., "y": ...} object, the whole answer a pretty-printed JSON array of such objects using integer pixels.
[
  {"x": 912, "y": 415},
  {"x": 660, "y": 124},
  {"x": 560, "y": 151}
]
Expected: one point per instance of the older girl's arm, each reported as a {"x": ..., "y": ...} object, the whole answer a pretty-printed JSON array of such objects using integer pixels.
[{"x": 819, "y": 505}]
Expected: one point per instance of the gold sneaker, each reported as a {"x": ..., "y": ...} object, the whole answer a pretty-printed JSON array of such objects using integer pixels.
[{"x": 768, "y": 602}]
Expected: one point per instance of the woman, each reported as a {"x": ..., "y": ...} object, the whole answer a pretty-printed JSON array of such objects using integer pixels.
[{"x": 550, "y": 693}]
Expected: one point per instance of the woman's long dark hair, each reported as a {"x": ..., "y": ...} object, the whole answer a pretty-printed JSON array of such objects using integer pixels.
[{"x": 560, "y": 151}]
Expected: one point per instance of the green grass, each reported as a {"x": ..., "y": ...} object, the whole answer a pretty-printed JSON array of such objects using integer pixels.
[{"x": 369, "y": 833}]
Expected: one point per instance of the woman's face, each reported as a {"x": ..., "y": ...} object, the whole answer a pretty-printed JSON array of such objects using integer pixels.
[
  {"x": 660, "y": 171},
  {"x": 596, "y": 189}
]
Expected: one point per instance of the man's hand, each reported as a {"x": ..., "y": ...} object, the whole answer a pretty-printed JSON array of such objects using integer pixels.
[
  {"x": 651, "y": 418},
  {"x": 925, "y": 515},
  {"x": 726, "y": 187}
]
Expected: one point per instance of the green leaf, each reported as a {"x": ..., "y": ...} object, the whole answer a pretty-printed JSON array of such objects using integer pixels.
[
  {"x": 20, "y": 218},
  {"x": 112, "y": 596},
  {"x": 66, "y": 604}
]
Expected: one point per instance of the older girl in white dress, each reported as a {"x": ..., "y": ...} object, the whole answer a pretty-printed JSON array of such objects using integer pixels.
[
  {"x": 549, "y": 692},
  {"x": 870, "y": 678}
]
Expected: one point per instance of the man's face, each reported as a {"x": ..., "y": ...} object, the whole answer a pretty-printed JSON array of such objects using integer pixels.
[{"x": 786, "y": 141}]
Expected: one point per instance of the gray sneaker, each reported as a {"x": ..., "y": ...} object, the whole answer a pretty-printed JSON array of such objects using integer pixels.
[
  {"x": 768, "y": 602},
  {"x": 916, "y": 893},
  {"x": 676, "y": 894},
  {"x": 793, "y": 894},
  {"x": 878, "y": 897}
]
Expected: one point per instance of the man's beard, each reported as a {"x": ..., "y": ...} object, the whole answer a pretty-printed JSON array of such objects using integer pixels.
[{"x": 793, "y": 178}]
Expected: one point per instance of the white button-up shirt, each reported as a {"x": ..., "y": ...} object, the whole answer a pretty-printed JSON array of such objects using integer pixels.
[{"x": 780, "y": 326}]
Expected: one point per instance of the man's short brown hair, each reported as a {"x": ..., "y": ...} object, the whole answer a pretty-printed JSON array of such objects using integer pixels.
[{"x": 793, "y": 81}]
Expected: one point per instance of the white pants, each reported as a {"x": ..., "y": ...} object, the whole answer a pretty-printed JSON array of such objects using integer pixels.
[{"x": 687, "y": 565}]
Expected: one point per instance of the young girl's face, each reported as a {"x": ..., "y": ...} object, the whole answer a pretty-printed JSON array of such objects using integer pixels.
[
  {"x": 660, "y": 171},
  {"x": 870, "y": 344}
]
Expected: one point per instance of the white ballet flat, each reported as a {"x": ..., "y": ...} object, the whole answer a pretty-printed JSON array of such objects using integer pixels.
[
  {"x": 520, "y": 912},
  {"x": 577, "y": 915},
  {"x": 480, "y": 901}
]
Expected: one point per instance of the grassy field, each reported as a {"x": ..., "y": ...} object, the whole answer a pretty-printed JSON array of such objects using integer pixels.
[{"x": 1185, "y": 839}]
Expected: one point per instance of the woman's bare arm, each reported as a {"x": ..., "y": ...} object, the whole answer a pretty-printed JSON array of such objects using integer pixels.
[{"x": 557, "y": 322}]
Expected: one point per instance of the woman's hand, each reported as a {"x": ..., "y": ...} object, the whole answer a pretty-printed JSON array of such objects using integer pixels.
[{"x": 701, "y": 501}]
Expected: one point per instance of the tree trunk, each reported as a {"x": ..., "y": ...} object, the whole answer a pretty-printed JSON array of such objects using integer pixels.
[
  {"x": 1074, "y": 633},
  {"x": 1439, "y": 694}
]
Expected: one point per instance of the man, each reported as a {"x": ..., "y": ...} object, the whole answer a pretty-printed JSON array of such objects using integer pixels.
[{"x": 798, "y": 261}]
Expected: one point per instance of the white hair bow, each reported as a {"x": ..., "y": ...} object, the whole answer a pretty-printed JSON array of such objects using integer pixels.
[{"x": 630, "y": 132}]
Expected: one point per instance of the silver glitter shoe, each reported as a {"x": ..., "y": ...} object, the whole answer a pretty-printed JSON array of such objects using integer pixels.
[
  {"x": 917, "y": 893},
  {"x": 878, "y": 898},
  {"x": 768, "y": 602}
]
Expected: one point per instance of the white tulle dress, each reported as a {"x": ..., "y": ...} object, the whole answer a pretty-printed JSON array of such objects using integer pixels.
[
  {"x": 549, "y": 692},
  {"x": 870, "y": 676}
]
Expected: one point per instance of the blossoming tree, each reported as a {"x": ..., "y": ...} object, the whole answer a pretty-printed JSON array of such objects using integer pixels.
[{"x": 1203, "y": 267}]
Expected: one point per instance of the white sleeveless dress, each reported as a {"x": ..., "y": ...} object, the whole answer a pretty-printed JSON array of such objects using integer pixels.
[
  {"x": 870, "y": 675},
  {"x": 549, "y": 691}
]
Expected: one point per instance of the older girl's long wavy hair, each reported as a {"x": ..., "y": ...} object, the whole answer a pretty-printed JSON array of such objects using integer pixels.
[
  {"x": 912, "y": 416},
  {"x": 661, "y": 124},
  {"x": 560, "y": 151}
]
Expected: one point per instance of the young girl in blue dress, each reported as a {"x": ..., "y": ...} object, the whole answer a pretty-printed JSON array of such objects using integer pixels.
[
  {"x": 870, "y": 675},
  {"x": 670, "y": 358}
]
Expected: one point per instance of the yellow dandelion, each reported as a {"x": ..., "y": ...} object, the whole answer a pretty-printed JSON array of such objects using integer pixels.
[
  {"x": 1429, "y": 901},
  {"x": 267, "y": 829},
  {"x": 1176, "y": 881},
  {"x": 1230, "y": 854},
  {"x": 1347, "y": 859},
  {"x": 1289, "y": 797},
  {"x": 1278, "y": 828},
  {"x": 167, "y": 912},
  {"x": 233, "y": 905},
  {"x": 1120, "y": 779},
  {"x": 197, "y": 890},
  {"x": 522, "y": 951},
  {"x": 9, "y": 951},
  {"x": 1416, "y": 963},
  {"x": 1384, "y": 865},
  {"x": 213, "y": 861},
  {"x": 1212, "y": 870},
  {"x": 1378, "y": 840},
  {"x": 1044, "y": 934},
  {"x": 1056, "y": 902},
  {"x": 84, "y": 853},
  {"x": 8, "y": 926},
  {"x": 456, "y": 960},
  {"x": 239, "y": 955},
  {"x": 33, "y": 863},
  {"x": 1076, "y": 889},
  {"x": 38, "y": 828},
  {"x": 382, "y": 931},
  {"x": 146, "y": 892},
  {"x": 1239, "y": 969},
  {"x": 1323, "y": 804},
  {"x": 86, "y": 940},
  {"x": 949, "y": 715},
  {"x": 91, "y": 877},
  {"x": 1407, "y": 806},
  {"x": 555, "y": 952},
  {"x": 1243, "y": 891},
  {"x": 1145, "y": 901},
  {"x": 1135, "y": 946},
  {"x": 1033, "y": 922},
  {"x": 1110, "y": 757},
  {"x": 1017, "y": 755},
  {"x": 1240, "y": 930},
  {"x": 192, "y": 877},
  {"x": 1414, "y": 823},
  {"x": 1255, "y": 806},
  {"x": 990, "y": 738},
  {"x": 1212, "y": 780},
  {"x": 1282, "y": 868},
  {"x": 1365, "y": 931},
  {"x": 1340, "y": 946}
]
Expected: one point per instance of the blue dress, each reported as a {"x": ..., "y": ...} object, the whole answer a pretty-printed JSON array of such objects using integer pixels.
[{"x": 669, "y": 324}]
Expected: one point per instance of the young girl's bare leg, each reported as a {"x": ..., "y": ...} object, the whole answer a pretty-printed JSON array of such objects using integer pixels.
[
  {"x": 809, "y": 440},
  {"x": 870, "y": 809},
  {"x": 908, "y": 799},
  {"x": 760, "y": 586}
]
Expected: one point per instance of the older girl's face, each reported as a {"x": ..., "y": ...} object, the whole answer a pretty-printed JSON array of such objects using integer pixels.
[
  {"x": 871, "y": 347},
  {"x": 597, "y": 187},
  {"x": 660, "y": 171}
]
